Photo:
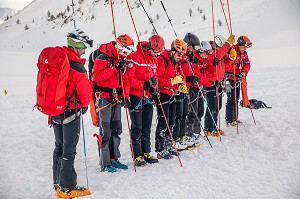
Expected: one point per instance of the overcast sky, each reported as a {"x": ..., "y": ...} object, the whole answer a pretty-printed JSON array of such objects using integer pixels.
[{"x": 15, "y": 4}]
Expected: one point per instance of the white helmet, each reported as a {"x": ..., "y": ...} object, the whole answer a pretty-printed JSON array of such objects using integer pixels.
[
  {"x": 80, "y": 36},
  {"x": 220, "y": 40},
  {"x": 204, "y": 47}
]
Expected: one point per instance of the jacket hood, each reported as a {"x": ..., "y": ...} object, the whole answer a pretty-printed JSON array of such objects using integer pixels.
[{"x": 110, "y": 50}]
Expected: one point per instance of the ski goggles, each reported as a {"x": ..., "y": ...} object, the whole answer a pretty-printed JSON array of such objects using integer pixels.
[
  {"x": 196, "y": 47},
  {"x": 208, "y": 52},
  {"x": 125, "y": 49}
]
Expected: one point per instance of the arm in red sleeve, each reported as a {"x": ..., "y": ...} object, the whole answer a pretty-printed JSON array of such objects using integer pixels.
[
  {"x": 102, "y": 71},
  {"x": 162, "y": 80}
]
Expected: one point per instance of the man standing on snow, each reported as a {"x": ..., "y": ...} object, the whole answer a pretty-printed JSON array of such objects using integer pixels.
[
  {"x": 67, "y": 125},
  {"x": 107, "y": 76},
  {"x": 237, "y": 66},
  {"x": 141, "y": 74},
  {"x": 171, "y": 81}
]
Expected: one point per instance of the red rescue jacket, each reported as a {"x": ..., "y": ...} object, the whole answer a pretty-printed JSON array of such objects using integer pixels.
[
  {"x": 140, "y": 70},
  {"x": 105, "y": 74},
  {"x": 240, "y": 64},
  {"x": 212, "y": 72},
  {"x": 78, "y": 80},
  {"x": 166, "y": 73}
]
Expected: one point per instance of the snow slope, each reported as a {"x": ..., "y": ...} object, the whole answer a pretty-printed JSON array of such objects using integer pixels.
[{"x": 262, "y": 161}]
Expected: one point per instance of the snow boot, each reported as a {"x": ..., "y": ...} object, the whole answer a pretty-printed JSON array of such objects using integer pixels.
[
  {"x": 109, "y": 169},
  {"x": 117, "y": 164},
  {"x": 140, "y": 161},
  {"x": 150, "y": 159},
  {"x": 188, "y": 140}
]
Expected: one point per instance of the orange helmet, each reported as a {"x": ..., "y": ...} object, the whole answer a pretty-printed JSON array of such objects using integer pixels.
[
  {"x": 157, "y": 43},
  {"x": 179, "y": 45},
  {"x": 126, "y": 43}
]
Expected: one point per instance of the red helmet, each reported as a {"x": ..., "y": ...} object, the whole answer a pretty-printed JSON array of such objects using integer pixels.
[
  {"x": 244, "y": 41},
  {"x": 157, "y": 43}
]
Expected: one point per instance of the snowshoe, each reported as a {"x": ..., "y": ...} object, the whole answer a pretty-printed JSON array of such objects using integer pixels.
[
  {"x": 172, "y": 151},
  {"x": 72, "y": 193},
  {"x": 150, "y": 159},
  {"x": 180, "y": 145},
  {"x": 194, "y": 147},
  {"x": 140, "y": 161},
  {"x": 117, "y": 164},
  {"x": 188, "y": 140},
  {"x": 164, "y": 154},
  {"x": 109, "y": 169}
]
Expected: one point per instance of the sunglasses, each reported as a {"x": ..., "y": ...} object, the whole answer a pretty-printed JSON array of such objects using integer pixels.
[
  {"x": 197, "y": 47},
  {"x": 125, "y": 49},
  {"x": 248, "y": 44}
]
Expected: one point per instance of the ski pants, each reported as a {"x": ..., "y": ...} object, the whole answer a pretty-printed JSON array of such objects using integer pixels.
[
  {"x": 196, "y": 112},
  {"x": 66, "y": 139},
  {"x": 232, "y": 102},
  {"x": 110, "y": 130},
  {"x": 214, "y": 105},
  {"x": 182, "y": 104},
  {"x": 141, "y": 113},
  {"x": 162, "y": 135}
]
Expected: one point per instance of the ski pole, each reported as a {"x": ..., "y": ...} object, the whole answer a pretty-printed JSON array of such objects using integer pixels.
[
  {"x": 167, "y": 123},
  {"x": 168, "y": 17},
  {"x": 151, "y": 21},
  {"x": 205, "y": 133},
  {"x": 73, "y": 5},
  {"x": 84, "y": 147}
]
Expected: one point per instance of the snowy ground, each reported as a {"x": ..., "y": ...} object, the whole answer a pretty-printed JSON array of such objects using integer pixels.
[{"x": 261, "y": 162}]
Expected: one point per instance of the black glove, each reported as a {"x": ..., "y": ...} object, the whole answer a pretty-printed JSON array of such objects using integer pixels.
[
  {"x": 149, "y": 83},
  {"x": 84, "y": 110},
  {"x": 216, "y": 84},
  {"x": 192, "y": 79},
  {"x": 126, "y": 103},
  {"x": 155, "y": 94},
  {"x": 216, "y": 61},
  {"x": 121, "y": 64}
]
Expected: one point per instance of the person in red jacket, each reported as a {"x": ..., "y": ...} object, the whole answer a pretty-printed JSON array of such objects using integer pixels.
[
  {"x": 107, "y": 75},
  {"x": 67, "y": 125},
  {"x": 196, "y": 107},
  {"x": 170, "y": 83},
  {"x": 237, "y": 66},
  {"x": 215, "y": 73},
  {"x": 141, "y": 73}
]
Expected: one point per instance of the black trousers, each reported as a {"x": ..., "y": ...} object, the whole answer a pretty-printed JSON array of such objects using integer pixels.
[
  {"x": 66, "y": 139},
  {"x": 213, "y": 97},
  {"x": 232, "y": 102},
  {"x": 182, "y": 105},
  {"x": 196, "y": 111},
  {"x": 162, "y": 135},
  {"x": 141, "y": 113}
]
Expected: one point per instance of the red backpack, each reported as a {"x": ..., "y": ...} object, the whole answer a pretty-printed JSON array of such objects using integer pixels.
[{"x": 53, "y": 72}]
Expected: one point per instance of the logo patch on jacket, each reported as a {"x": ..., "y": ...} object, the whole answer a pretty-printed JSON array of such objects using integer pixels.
[{"x": 130, "y": 65}]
